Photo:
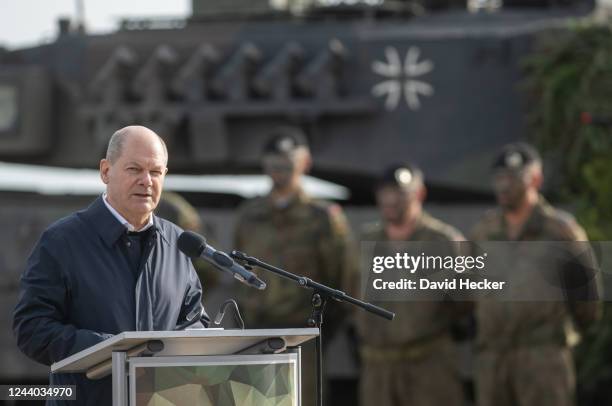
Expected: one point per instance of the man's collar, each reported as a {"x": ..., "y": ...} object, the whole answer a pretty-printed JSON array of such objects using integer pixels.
[
  {"x": 300, "y": 196},
  {"x": 533, "y": 222},
  {"x": 108, "y": 226},
  {"x": 103, "y": 221},
  {"x": 415, "y": 228},
  {"x": 158, "y": 228},
  {"x": 122, "y": 219}
]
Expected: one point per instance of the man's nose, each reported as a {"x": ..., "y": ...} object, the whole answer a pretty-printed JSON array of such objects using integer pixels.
[
  {"x": 502, "y": 185},
  {"x": 146, "y": 179}
]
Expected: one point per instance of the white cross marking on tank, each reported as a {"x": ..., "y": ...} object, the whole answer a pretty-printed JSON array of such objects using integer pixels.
[{"x": 406, "y": 78}]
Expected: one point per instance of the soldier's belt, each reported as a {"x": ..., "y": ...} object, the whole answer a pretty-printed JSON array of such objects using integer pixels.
[
  {"x": 542, "y": 338},
  {"x": 409, "y": 352}
]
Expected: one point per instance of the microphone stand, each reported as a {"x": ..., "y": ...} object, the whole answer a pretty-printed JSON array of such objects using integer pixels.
[{"x": 320, "y": 296}]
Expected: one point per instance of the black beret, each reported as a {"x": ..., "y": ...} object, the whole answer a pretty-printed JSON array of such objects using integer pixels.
[
  {"x": 401, "y": 175},
  {"x": 285, "y": 140},
  {"x": 516, "y": 156}
]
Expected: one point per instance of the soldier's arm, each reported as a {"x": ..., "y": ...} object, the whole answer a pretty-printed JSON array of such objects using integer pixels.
[
  {"x": 339, "y": 253},
  {"x": 581, "y": 277},
  {"x": 583, "y": 286},
  {"x": 460, "y": 307},
  {"x": 338, "y": 261}
]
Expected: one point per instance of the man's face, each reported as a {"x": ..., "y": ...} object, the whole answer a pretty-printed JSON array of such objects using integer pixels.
[
  {"x": 510, "y": 188},
  {"x": 135, "y": 180},
  {"x": 394, "y": 203},
  {"x": 282, "y": 169}
]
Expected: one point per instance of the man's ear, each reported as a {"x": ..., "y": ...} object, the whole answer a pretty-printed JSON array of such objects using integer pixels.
[
  {"x": 537, "y": 179},
  {"x": 422, "y": 193},
  {"x": 307, "y": 163},
  {"x": 104, "y": 168}
]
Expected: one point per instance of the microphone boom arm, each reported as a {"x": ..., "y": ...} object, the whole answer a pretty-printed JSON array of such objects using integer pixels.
[{"x": 308, "y": 283}]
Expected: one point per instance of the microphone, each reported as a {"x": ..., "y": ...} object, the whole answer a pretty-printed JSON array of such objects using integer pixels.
[{"x": 194, "y": 245}]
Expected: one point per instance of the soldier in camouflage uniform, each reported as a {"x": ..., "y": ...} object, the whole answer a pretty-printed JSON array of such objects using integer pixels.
[
  {"x": 289, "y": 229},
  {"x": 411, "y": 360},
  {"x": 524, "y": 357},
  {"x": 174, "y": 207}
]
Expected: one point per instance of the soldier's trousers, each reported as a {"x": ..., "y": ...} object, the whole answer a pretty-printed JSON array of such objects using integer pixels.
[
  {"x": 431, "y": 380},
  {"x": 531, "y": 376}
]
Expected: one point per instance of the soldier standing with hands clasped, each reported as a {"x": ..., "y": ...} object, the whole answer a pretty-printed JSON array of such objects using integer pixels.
[
  {"x": 524, "y": 355},
  {"x": 291, "y": 230},
  {"x": 411, "y": 361}
]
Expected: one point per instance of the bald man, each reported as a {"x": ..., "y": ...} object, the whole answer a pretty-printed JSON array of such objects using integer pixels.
[{"x": 110, "y": 268}]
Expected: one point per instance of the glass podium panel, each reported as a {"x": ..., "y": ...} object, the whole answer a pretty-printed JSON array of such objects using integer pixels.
[{"x": 228, "y": 380}]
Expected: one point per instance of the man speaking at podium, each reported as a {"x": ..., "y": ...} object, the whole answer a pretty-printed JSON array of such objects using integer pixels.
[{"x": 110, "y": 268}]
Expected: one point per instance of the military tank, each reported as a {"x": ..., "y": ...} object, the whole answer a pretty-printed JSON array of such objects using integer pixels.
[{"x": 370, "y": 82}]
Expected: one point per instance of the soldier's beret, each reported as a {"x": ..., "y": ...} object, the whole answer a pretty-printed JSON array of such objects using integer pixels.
[
  {"x": 285, "y": 140},
  {"x": 516, "y": 156},
  {"x": 404, "y": 176}
]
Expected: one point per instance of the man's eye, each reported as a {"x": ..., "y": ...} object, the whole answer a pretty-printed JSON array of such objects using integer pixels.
[
  {"x": 156, "y": 173},
  {"x": 132, "y": 170}
]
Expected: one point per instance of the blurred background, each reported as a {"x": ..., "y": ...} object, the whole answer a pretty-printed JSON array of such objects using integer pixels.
[{"x": 443, "y": 83}]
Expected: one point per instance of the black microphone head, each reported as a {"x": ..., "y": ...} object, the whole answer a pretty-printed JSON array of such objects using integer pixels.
[{"x": 191, "y": 244}]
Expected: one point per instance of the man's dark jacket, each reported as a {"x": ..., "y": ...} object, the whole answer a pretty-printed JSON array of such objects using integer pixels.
[{"x": 79, "y": 288}]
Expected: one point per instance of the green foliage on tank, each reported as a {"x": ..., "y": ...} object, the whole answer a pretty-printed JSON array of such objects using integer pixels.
[{"x": 569, "y": 80}]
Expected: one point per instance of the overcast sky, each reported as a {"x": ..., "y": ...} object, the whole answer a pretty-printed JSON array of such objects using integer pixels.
[{"x": 29, "y": 22}]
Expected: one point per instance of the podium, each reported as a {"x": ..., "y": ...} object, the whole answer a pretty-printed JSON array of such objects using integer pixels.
[{"x": 198, "y": 367}]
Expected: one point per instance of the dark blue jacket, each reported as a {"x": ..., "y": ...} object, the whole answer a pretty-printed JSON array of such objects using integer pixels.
[{"x": 79, "y": 289}]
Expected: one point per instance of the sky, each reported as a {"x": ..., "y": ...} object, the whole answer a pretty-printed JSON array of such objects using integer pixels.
[{"x": 31, "y": 22}]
